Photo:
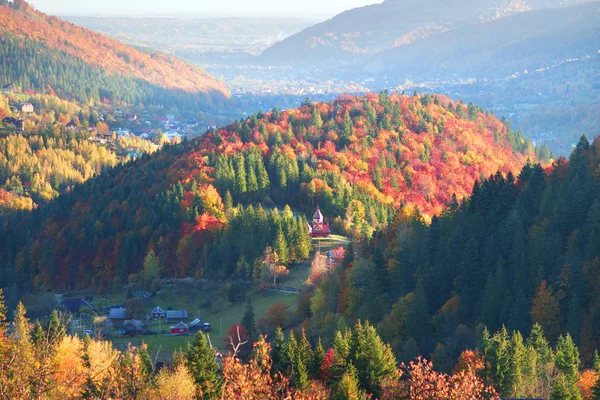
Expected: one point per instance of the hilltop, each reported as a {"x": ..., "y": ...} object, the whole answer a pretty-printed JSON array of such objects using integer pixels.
[
  {"x": 47, "y": 54},
  {"x": 199, "y": 204}
]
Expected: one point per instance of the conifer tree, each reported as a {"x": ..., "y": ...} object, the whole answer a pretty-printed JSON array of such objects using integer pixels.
[
  {"x": 567, "y": 361},
  {"x": 348, "y": 388},
  {"x": 248, "y": 322},
  {"x": 279, "y": 353},
  {"x": 280, "y": 246},
  {"x": 202, "y": 364}
]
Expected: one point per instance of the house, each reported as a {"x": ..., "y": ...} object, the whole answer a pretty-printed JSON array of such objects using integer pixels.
[
  {"x": 158, "y": 313},
  {"x": 335, "y": 256},
  {"x": 180, "y": 329},
  {"x": 72, "y": 125},
  {"x": 117, "y": 315},
  {"x": 133, "y": 327},
  {"x": 19, "y": 125},
  {"x": 75, "y": 305},
  {"x": 319, "y": 228},
  {"x": 177, "y": 315},
  {"x": 122, "y": 133},
  {"x": 26, "y": 107},
  {"x": 198, "y": 325}
]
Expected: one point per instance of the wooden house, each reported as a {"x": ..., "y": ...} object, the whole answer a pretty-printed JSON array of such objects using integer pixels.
[
  {"x": 158, "y": 313},
  {"x": 180, "y": 329}
]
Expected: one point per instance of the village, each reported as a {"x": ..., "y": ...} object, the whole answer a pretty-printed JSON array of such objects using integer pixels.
[{"x": 166, "y": 318}]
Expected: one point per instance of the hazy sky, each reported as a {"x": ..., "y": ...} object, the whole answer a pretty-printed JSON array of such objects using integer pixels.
[{"x": 198, "y": 8}]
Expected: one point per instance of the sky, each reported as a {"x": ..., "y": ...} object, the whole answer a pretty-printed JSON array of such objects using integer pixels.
[{"x": 303, "y": 9}]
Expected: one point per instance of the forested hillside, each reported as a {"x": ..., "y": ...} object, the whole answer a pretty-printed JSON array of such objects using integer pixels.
[
  {"x": 48, "y": 55},
  {"x": 358, "y": 158},
  {"x": 520, "y": 250}
]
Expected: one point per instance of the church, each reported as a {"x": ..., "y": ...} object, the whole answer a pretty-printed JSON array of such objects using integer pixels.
[{"x": 319, "y": 228}]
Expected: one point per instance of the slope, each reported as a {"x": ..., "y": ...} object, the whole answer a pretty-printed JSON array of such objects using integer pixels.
[
  {"x": 355, "y": 34},
  {"x": 525, "y": 41},
  {"x": 358, "y": 158},
  {"x": 518, "y": 251},
  {"x": 51, "y": 42}
]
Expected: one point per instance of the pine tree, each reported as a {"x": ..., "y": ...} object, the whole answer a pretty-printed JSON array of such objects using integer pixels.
[
  {"x": 202, "y": 364},
  {"x": 567, "y": 361},
  {"x": 373, "y": 359},
  {"x": 596, "y": 367},
  {"x": 280, "y": 246},
  {"x": 348, "y": 387},
  {"x": 318, "y": 359},
  {"x": 248, "y": 322},
  {"x": 279, "y": 353}
]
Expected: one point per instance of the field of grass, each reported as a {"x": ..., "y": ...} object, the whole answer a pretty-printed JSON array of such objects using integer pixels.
[{"x": 209, "y": 302}]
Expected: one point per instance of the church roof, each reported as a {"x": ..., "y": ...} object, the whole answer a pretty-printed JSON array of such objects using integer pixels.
[{"x": 318, "y": 214}]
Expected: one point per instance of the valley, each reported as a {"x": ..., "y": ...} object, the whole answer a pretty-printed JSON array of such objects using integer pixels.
[{"x": 400, "y": 202}]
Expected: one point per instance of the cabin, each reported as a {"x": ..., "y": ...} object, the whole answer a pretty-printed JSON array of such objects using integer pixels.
[
  {"x": 319, "y": 228},
  {"x": 133, "y": 327},
  {"x": 26, "y": 108},
  {"x": 180, "y": 329},
  {"x": 177, "y": 315},
  {"x": 158, "y": 313},
  {"x": 117, "y": 315}
]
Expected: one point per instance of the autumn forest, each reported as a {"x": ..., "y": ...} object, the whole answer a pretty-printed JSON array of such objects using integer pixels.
[{"x": 390, "y": 245}]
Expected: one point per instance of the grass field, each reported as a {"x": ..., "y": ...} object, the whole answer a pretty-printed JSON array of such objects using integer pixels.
[{"x": 209, "y": 303}]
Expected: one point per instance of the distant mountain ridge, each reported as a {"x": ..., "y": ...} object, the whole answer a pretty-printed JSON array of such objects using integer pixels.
[
  {"x": 524, "y": 41},
  {"x": 58, "y": 38},
  {"x": 371, "y": 29}
]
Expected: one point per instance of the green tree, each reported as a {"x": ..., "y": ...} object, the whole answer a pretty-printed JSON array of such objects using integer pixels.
[
  {"x": 248, "y": 322},
  {"x": 373, "y": 359},
  {"x": 202, "y": 363},
  {"x": 151, "y": 266},
  {"x": 348, "y": 387}
]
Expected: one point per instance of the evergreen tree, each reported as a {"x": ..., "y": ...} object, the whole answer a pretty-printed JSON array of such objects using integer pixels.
[
  {"x": 373, "y": 359},
  {"x": 280, "y": 246},
  {"x": 567, "y": 361},
  {"x": 279, "y": 353},
  {"x": 348, "y": 387},
  {"x": 202, "y": 363},
  {"x": 248, "y": 322},
  {"x": 596, "y": 367}
]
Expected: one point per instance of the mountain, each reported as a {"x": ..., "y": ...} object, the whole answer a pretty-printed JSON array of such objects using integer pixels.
[
  {"x": 357, "y": 158},
  {"x": 200, "y": 40},
  {"x": 355, "y": 34},
  {"x": 368, "y": 30},
  {"x": 518, "y": 251},
  {"x": 522, "y": 42},
  {"x": 47, "y": 54}
]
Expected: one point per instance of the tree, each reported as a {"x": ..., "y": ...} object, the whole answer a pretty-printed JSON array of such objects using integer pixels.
[
  {"x": 348, "y": 388},
  {"x": 151, "y": 266},
  {"x": 202, "y": 364},
  {"x": 248, "y": 322},
  {"x": 567, "y": 361},
  {"x": 373, "y": 359},
  {"x": 545, "y": 310},
  {"x": 176, "y": 384}
]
